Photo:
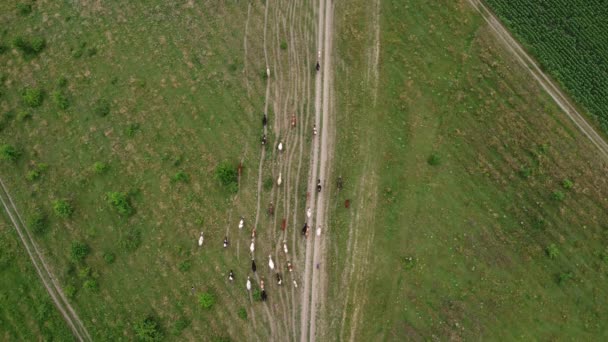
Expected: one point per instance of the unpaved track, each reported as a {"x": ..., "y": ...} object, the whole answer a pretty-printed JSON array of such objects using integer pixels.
[
  {"x": 548, "y": 84},
  {"x": 48, "y": 279},
  {"x": 313, "y": 289}
]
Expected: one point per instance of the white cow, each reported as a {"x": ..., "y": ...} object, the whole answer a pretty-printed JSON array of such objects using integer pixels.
[
  {"x": 248, "y": 284},
  {"x": 270, "y": 262},
  {"x": 200, "y": 239},
  {"x": 308, "y": 212},
  {"x": 279, "y": 180},
  {"x": 295, "y": 283},
  {"x": 252, "y": 246},
  {"x": 319, "y": 231},
  {"x": 285, "y": 246},
  {"x": 241, "y": 222}
]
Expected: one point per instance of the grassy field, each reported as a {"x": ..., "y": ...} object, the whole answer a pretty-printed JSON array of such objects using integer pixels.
[
  {"x": 477, "y": 208},
  {"x": 116, "y": 116},
  {"x": 569, "y": 40}
]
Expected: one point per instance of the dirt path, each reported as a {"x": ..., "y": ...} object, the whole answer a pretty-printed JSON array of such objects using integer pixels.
[
  {"x": 48, "y": 279},
  {"x": 313, "y": 277},
  {"x": 548, "y": 84}
]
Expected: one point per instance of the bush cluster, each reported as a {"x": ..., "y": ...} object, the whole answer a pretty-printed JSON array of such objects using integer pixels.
[
  {"x": 79, "y": 251},
  {"x": 30, "y": 47},
  {"x": 206, "y": 300},
  {"x": 63, "y": 208},
  {"x": 120, "y": 201},
  {"x": 227, "y": 175},
  {"x": 148, "y": 330},
  {"x": 32, "y": 97}
]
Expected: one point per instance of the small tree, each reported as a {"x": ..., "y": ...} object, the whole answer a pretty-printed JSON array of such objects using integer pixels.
[
  {"x": 100, "y": 167},
  {"x": 60, "y": 100},
  {"x": 558, "y": 195},
  {"x": 206, "y": 300},
  {"x": 552, "y": 251},
  {"x": 32, "y": 97},
  {"x": 9, "y": 153},
  {"x": 148, "y": 330},
  {"x": 38, "y": 222},
  {"x": 180, "y": 176},
  {"x": 62, "y": 208},
  {"x": 79, "y": 251},
  {"x": 434, "y": 159},
  {"x": 120, "y": 201},
  {"x": 567, "y": 184},
  {"x": 227, "y": 175},
  {"x": 91, "y": 285}
]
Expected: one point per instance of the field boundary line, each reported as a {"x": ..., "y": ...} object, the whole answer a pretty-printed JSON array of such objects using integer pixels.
[{"x": 541, "y": 77}]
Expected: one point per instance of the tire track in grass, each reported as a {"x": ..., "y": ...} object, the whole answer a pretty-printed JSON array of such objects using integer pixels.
[{"x": 48, "y": 279}]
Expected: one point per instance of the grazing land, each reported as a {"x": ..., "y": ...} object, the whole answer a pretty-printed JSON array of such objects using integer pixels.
[
  {"x": 477, "y": 208},
  {"x": 472, "y": 207},
  {"x": 570, "y": 40}
]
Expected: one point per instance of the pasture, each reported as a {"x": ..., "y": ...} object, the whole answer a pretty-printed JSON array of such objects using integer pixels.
[
  {"x": 114, "y": 120},
  {"x": 477, "y": 208}
]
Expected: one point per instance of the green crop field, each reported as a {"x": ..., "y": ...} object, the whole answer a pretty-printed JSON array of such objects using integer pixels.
[
  {"x": 477, "y": 208},
  {"x": 570, "y": 40}
]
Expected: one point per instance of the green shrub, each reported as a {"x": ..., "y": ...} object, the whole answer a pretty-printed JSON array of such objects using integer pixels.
[
  {"x": 268, "y": 183},
  {"x": 32, "y": 97},
  {"x": 525, "y": 172},
  {"x": 552, "y": 251},
  {"x": 62, "y": 82},
  {"x": 79, "y": 251},
  {"x": 23, "y": 115},
  {"x": 131, "y": 240},
  {"x": 109, "y": 257},
  {"x": 24, "y": 9},
  {"x": 102, "y": 107},
  {"x": 434, "y": 159},
  {"x": 100, "y": 167},
  {"x": 179, "y": 326},
  {"x": 563, "y": 277},
  {"x": 60, "y": 100},
  {"x": 227, "y": 175},
  {"x": 29, "y": 48},
  {"x": 180, "y": 176},
  {"x": 91, "y": 285},
  {"x": 567, "y": 184},
  {"x": 206, "y": 300},
  {"x": 84, "y": 272},
  {"x": 9, "y": 153},
  {"x": 257, "y": 295},
  {"x": 148, "y": 330},
  {"x": 38, "y": 222},
  {"x": 185, "y": 266},
  {"x": 409, "y": 262},
  {"x": 242, "y": 313},
  {"x": 37, "y": 44},
  {"x": 120, "y": 202},
  {"x": 132, "y": 129},
  {"x": 558, "y": 195},
  {"x": 3, "y": 48},
  {"x": 91, "y": 51},
  {"x": 283, "y": 45},
  {"x": 63, "y": 208},
  {"x": 70, "y": 291}
]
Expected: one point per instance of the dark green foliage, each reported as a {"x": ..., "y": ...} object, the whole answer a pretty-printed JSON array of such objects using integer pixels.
[
  {"x": 132, "y": 129},
  {"x": 9, "y": 153},
  {"x": 100, "y": 168},
  {"x": 206, "y": 300},
  {"x": 79, "y": 251},
  {"x": 3, "y": 48},
  {"x": 242, "y": 313},
  {"x": 570, "y": 40},
  {"x": 62, "y": 82},
  {"x": 148, "y": 330},
  {"x": 564, "y": 277},
  {"x": 409, "y": 263},
  {"x": 63, "y": 208},
  {"x": 283, "y": 45},
  {"x": 24, "y": 9},
  {"x": 102, "y": 107},
  {"x": 434, "y": 159},
  {"x": 180, "y": 176},
  {"x": 70, "y": 291},
  {"x": 36, "y": 172},
  {"x": 552, "y": 251},
  {"x": 257, "y": 295},
  {"x": 179, "y": 326},
  {"x": 525, "y": 172},
  {"x": 131, "y": 240},
  {"x": 24, "y": 115},
  {"x": 109, "y": 257},
  {"x": 185, "y": 266},
  {"x": 60, "y": 100},
  {"x": 38, "y": 222},
  {"x": 120, "y": 201},
  {"x": 227, "y": 175},
  {"x": 29, "y": 48},
  {"x": 268, "y": 183},
  {"x": 91, "y": 285},
  {"x": 557, "y": 195},
  {"x": 567, "y": 184},
  {"x": 32, "y": 97}
]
